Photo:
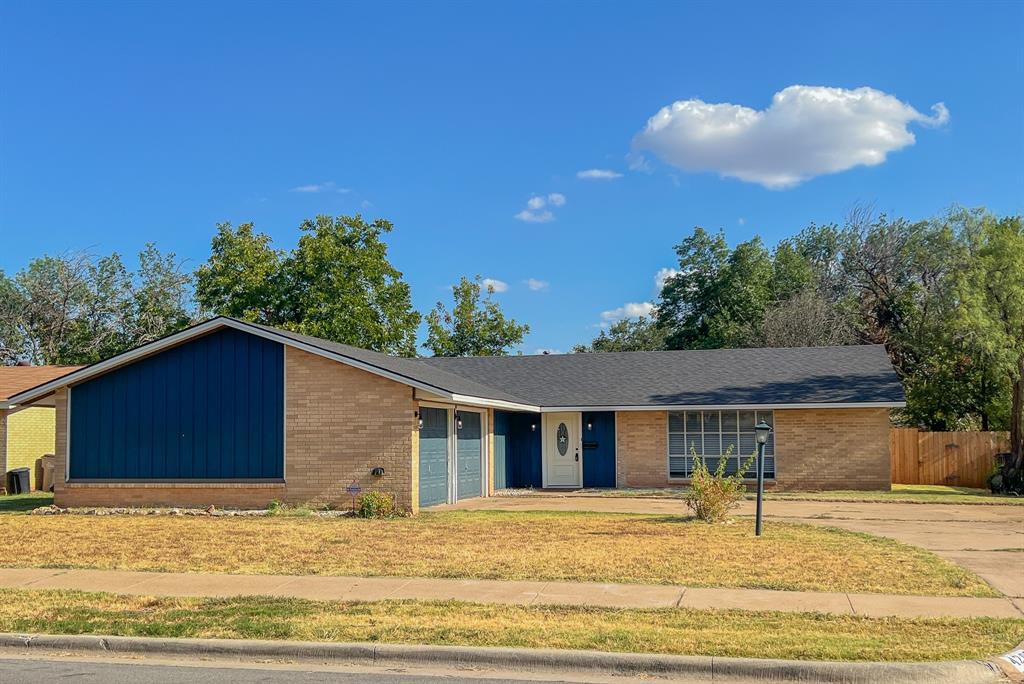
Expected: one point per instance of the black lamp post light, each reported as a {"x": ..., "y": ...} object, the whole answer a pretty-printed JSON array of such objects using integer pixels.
[{"x": 761, "y": 430}]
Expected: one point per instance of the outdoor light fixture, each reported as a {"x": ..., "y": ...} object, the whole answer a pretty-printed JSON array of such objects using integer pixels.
[
  {"x": 761, "y": 432},
  {"x": 458, "y": 421},
  {"x": 377, "y": 472},
  {"x": 419, "y": 420},
  {"x": 590, "y": 426},
  {"x": 533, "y": 427}
]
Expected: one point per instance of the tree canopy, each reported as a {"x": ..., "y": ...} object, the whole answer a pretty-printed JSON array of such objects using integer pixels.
[{"x": 475, "y": 326}]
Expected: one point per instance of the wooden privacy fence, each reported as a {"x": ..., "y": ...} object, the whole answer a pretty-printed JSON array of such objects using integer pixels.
[{"x": 962, "y": 459}]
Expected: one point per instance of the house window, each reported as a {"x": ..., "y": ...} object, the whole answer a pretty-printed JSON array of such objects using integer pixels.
[{"x": 714, "y": 435}]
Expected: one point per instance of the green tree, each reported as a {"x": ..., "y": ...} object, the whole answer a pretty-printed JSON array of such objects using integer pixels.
[
  {"x": 159, "y": 303},
  {"x": 244, "y": 277},
  {"x": 476, "y": 325},
  {"x": 991, "y": 289},
  {"x": 640, "y": 334},
  {"x": 341, "y": 286},
  {"x": 717, "y": 294}
]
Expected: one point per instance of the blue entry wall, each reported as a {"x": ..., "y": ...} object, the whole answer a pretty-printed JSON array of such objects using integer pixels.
[
  {"x": 599, "y": 449},
  {"x": 517, "y": 457},
  {"x": 211, "y": 408}
]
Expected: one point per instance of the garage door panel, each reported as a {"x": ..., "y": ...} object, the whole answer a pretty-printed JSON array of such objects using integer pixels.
[
  {"x": 470, "y": 443},
  {"x": 433, "y": 456}
]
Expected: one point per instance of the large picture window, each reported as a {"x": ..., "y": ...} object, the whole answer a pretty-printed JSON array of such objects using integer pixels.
[{"x": 714, "y": 435}]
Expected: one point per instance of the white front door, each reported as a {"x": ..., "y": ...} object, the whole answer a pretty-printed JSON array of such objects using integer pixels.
[{"x": 562, "y": 450}]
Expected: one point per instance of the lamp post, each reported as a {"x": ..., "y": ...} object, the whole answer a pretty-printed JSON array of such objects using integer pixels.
[{"x": 761, "y": 430}]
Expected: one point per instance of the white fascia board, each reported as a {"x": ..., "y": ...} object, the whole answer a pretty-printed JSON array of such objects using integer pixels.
[
  {"x": 728, "y": 407},
  {"x": 201, "y": 329},
  {"x": 495, "y": 403}
]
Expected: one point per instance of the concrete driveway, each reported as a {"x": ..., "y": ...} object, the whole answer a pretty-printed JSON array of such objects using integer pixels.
[{"x": 988, "y": 540}]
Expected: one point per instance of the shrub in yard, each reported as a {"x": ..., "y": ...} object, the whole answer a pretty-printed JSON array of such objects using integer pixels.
[
  {"x": 274, "y": 507},
  {"x": 713, "y": 494},
  {"x": 376, "y": 505}
]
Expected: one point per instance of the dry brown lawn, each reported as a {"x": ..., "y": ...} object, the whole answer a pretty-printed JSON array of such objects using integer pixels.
[
  {"x": 670, "y": 631},
  {"x": 494, "y": 545}
]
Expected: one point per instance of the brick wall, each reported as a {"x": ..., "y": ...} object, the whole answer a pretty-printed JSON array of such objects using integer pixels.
[
  {"x": 340, "y": 423},
  {"x": 832, "y": 449},
  {"x": 641, "y": 448},
  {"x": 815, "y": 449}
]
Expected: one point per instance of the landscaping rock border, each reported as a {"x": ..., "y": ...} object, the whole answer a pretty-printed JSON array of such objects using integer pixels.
[{"x": 211, "y": 511}]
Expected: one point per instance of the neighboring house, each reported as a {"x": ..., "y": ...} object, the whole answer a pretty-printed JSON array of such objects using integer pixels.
[
  {"x": 26, "y": 434},
  {"x": 237, "y": 414}
]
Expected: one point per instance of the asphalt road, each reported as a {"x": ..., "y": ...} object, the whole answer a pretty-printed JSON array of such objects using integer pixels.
[{"x": 26, "y": 670}]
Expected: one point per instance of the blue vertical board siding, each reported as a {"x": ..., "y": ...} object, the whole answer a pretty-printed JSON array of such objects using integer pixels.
[
  {"x": 211, "y": 408},
  {"x": 522, "y": 455},
  {"x": 433, "y": 456},
  {"x": 599, "y": 449},
  {"x": 501, "y": 431},
  {"x": 468, "y": 448}
]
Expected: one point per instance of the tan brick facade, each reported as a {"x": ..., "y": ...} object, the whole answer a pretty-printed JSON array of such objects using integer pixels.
[
  {"x": 815, "y": 449},
  {"x": 340, "y": 423},
  {"x": 832, "y": 449}
]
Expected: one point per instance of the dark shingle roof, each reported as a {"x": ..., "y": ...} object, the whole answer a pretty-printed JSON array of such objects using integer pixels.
[
  {"x": 810, "y": 375},
  {"x": 806, "y": 375}
]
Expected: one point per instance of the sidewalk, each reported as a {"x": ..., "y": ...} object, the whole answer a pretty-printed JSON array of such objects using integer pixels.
[{"x": 325, "y": 588}]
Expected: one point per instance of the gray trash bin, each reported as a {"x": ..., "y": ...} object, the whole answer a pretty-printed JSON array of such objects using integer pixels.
[{"x": 18, "y": 481}]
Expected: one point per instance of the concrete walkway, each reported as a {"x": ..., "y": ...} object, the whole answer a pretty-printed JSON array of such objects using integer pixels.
[
  {"x": 988, "y": 540},
  {"x": 493, "y": 591}
]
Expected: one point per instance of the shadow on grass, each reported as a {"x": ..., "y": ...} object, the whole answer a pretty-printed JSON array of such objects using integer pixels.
[{"x": 23, "y": 503}]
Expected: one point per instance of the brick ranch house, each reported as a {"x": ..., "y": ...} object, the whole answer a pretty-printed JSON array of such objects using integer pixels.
[{"x": 236, "y": 414}]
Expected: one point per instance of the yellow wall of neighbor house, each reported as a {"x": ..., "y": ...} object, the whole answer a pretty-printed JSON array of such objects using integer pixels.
[{"x": 29, "y": 436}]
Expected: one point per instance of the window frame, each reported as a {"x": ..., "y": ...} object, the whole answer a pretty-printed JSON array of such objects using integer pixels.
[{"x": 737, "y": 435}]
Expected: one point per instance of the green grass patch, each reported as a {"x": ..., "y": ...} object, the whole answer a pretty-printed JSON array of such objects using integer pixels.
[
  {"x": 803, "y": 636},
  {"x": 23, "y": 503},
  {"x": 501, "y": 545}
]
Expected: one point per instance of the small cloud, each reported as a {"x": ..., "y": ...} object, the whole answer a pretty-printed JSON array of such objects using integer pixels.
[
  {"x": 536, "y": 285},
  {"x": 366, "y": 204},
  {"x": 598, "y": 174},
  {"x": 628, "y": 310},
  {"x": 535, "y": 211},
  {"x": 742, "y": 221},
  {"x": 662, "y": 276},
  {"x": 806, "y": 131},
  {"x": 491, "y": 284},
  {"x": 535, "y": 216},
  {"x": 638, "y": 162},
  {"x": 326, "y": 186}
]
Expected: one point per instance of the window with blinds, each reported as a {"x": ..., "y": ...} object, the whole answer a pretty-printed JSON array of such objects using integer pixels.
[{"x": 714, "y": 435}]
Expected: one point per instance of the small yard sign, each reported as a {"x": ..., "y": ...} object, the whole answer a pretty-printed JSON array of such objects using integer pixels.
[{"x": 354, "y": 490}]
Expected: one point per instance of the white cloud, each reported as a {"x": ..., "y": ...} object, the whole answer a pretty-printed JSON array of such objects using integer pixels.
[
  {"x": 535, "y": 216},
  {"x": 662, "y": 276},
  {"x": 628, "y": 310},
  {"x": 598, "y": 174},
  {"x": 494, "y": 284},
  {"x": 805, "y": 132},
  {"x": 326, "y": 186},
  {"x": 535, "y": 211},
  {"x": 742, "y": 221},
  {"x": 536, "y": 285}
]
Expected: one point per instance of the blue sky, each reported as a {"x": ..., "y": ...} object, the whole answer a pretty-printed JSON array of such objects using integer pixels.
[{"x": 124, "y": 123}]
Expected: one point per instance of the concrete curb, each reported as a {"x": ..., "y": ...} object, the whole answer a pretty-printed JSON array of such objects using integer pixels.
[{"x": 706, "y": 668}]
